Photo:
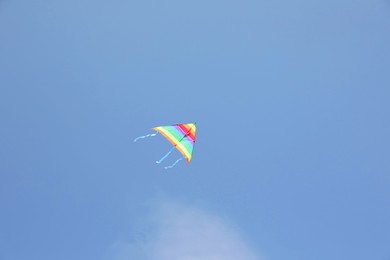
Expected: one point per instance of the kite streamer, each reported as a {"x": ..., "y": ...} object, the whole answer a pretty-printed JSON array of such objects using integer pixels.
[
  {"x": 144, "y": 136},
  {"x": 173, "y": 165},
  {"x": 165, "y": 156}
]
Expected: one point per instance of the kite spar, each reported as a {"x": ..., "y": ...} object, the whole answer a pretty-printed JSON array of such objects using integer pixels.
[{"x": 181, "y": 136}]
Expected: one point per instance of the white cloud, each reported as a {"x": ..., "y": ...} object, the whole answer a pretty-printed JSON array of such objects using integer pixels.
[{"x": 187, "y": 233}]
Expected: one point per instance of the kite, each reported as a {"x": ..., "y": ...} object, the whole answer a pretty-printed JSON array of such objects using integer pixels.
[{"x": 181, "y": 136}]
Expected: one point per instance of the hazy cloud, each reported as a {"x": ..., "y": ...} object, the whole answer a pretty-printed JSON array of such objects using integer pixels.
[{"x": 186, "y": 233}]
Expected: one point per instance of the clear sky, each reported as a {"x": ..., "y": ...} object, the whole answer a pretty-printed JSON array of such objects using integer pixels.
[{"x": 291, "y": 100}]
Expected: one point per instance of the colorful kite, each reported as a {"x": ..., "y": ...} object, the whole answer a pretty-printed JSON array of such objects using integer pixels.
[{"x": 181, "y": 136}]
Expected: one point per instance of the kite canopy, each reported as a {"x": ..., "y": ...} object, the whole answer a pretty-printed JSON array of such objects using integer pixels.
[{"x": 181, "y": 136}]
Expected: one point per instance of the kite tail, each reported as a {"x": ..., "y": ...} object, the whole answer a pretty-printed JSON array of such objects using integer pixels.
[
  {"x": 144, "y": 136},
  {"x": 173, "y": 165},
  {"x": 165, "y": 156}
]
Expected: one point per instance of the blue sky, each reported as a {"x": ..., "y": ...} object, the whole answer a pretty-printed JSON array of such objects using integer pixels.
[{"x": 291, "y": 101}]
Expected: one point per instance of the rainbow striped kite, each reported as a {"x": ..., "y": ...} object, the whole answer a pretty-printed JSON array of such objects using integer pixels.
[{"x": 181, "y": 136}]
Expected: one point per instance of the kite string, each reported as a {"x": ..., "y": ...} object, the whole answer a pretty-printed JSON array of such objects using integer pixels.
[
  {"x": 165, "y": 156},
  {"x": 173, "y": 165},
  {"x": 144, "y": 136}
]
